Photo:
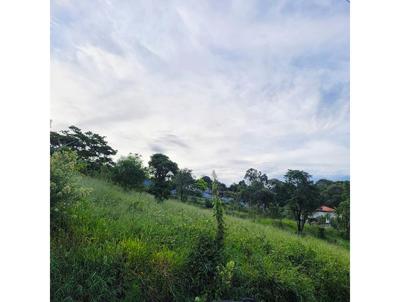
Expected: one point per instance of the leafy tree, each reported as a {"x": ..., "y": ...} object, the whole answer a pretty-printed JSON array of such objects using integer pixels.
[
  {"x": 343, "y": 217},
  {"x": 333, "y": 192},
  {"x": 201, "y": 184},
  {"x": 303, "y": 196},
  {"x": 162, "y": 169},
  {"x": 280, "y": 198},
  {"x": 183, "y": 181},
  {"x": 253, "y": 176},
  {"x": 208, "y": 180},
  {"x": 90, "y": 147},
  {"x": 129, "y": 172},
  {"x": 256, "y": 191}
]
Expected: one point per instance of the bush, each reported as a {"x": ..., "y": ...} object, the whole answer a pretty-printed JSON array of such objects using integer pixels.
[
  {"x": 129, "y": 172},
  {"x": 208, "y": 203},
  {"x": 64, "y": 187},
  {"x": 201, "y": 266},
  {"x": 63, "y": 170}
]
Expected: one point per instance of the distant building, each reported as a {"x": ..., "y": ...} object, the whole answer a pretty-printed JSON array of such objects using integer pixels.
[
  {"x": 323, "y": 211},
  {"x": 207, "y": 194}
]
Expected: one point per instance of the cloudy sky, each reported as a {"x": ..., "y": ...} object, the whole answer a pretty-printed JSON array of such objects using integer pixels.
[{"x": 224, "y": 85}]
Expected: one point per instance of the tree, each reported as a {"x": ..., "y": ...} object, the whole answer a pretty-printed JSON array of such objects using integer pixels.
[
  {"x": 183, "y": 181},
  {"x": 129, "y": 172},
  {"x": 208, "y": 180},
  {"x": 303, "y": 196},
  {"x": 90, "y": 147},
  {"x": 343, "y": 217},
  {"x": 201, "y": 184},
  {"x": 256, "y": 192},
  {"x": 333, "y": 192},
  {"x": 162, "y": 170},
  {"x": 280, "y": 198},
  {"x": 253, "y": 176}
]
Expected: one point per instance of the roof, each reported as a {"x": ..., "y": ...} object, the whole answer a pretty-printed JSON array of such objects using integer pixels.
[{"x": 325, "y": 209}]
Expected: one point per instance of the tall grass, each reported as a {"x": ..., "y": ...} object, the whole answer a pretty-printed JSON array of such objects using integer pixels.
[{"x": 124, "y": 246}]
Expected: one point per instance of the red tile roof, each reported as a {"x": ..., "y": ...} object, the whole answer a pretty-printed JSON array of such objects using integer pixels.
[{"x": 325, "y": 209}]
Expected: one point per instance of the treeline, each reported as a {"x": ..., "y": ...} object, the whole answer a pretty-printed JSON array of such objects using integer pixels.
[{"x": 296, "y": 197}]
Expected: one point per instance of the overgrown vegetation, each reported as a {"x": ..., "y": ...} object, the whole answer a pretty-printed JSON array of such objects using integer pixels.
[
  {"x": 112, "y": 241},
  {"x": 126, "y": 246}
]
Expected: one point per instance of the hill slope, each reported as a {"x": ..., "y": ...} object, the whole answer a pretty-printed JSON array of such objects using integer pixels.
[{"x": 126, "y": 246}]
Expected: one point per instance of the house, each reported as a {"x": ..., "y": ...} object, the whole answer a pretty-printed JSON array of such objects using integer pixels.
[{"x": 325, "y": 212}]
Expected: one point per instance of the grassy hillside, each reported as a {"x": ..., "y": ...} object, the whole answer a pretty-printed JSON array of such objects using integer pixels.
[{"x": 126, "y": 246}]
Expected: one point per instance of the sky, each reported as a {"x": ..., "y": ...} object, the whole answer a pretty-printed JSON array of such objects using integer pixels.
[{"x": 215, "y": 85}]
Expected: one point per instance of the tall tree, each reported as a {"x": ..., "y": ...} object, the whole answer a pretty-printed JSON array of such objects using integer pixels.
[
  {"x": 253, "y": 176},
  {"x": 256, "y": 191},
  {"x": 183, "y": 181},
  {"x": 162, "y": 170},
  {"x": 303, "y": 196},
  {"x": 91, "y": 148},
  {"x": 333, "y": 192}
]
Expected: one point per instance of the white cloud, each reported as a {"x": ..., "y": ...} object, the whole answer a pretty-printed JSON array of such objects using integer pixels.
[{"x": 225, "y": 87}]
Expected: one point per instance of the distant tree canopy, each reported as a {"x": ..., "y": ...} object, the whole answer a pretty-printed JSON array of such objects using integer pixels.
[
  {"x": 253, "y": 177},
  {"x": 332, "y": 193},
  {"x": 201, "y": 184},
  {"x": 91, "y": 148},
  {"x": 343, "y": 217},
  {"x": 184, "y": 183},
  {"x": 297, "y": 194},
  {"x": 208, "y": 180},
  {"x": 253, "y": 190},
  {"x": 129, "y": 172},
  {"x": 162, "y": 169},
  {"x": 303, "y": 196}
]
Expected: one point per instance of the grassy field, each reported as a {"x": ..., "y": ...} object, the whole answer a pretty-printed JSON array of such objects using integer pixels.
[{"x": 124, "y": 246}]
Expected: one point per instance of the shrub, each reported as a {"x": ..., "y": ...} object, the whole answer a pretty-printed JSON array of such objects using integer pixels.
[
  {"x": 64, "y": 188},
  {"x": 63, "y": 169},
  {"x": 208, "y": 203},
  {"x": 201, "y": 266}
]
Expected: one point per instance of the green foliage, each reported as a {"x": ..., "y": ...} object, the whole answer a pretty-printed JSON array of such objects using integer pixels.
[
  {"x": 224, "y": 278},
  {"x": 333, "y": 192},
  {"x": 201, "y": 184},
  {"x": 90, "y": 147},
  {"x": 129, "y": 172},
  {"x": 201, "y": 267},
  {"x": 63, "y": 169},
  {"x": 184, "y": 182},
  {"x": 219, "y": 216},
  {"x": 124, "y": 246},
  {"x": 208, "y": 180},
  {"x": 64, "y": 187},
  {"x": 208, "y": 203},
  {"x": 343, "y": 218},
  {"x": 162, "y": 170},
  {"x": 303, "y": 196}
]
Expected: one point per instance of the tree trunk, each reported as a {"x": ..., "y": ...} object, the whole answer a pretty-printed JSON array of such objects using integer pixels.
[
  {"x": 302, "y": 222},
  {"x": 298, "y": 221}
]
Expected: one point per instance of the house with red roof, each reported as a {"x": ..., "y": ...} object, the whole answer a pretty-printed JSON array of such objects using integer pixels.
[{"x": 323, "y": 211}]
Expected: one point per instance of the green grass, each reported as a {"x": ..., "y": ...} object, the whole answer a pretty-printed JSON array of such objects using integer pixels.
[
  {"x": 330, "y": 234},
  {"x": 127, "y": 247}
]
